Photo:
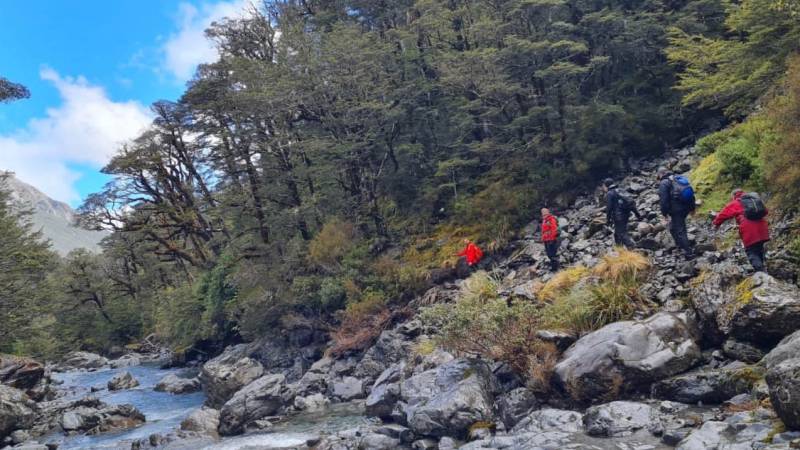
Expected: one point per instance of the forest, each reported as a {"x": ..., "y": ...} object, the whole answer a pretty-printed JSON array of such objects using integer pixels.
[{"x": 338, "y": 151}]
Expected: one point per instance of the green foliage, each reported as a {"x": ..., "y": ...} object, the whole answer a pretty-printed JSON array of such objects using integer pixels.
[
  {"x": 480, "y": 323},
  {"x": 733, "y": 70},
  {"x": 781, "y": 155}
]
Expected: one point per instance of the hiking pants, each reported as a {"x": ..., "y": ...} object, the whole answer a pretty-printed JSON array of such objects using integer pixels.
[
  {"x": 757, "y": 255},
  {"x": 677, "y": 228},
  {"x": 551, "y": 247},
  {"x": 621, "y": 236}
]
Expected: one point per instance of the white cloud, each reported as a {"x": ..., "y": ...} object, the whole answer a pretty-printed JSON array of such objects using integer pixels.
[
  {"x": 188, "y": 47},
  {"x": 87, "y": 128}
]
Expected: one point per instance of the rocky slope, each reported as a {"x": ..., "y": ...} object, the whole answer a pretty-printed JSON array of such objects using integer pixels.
[
  {"x": 53, "y": 218},
  {"x": 708, "y": 369},
  {"x": 714, "y": 365}
]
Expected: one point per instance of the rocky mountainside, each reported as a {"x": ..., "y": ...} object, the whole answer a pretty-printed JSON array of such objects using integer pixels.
[
  {"x": 53, "y": 218},
  {"x": 713, "y": 364}
]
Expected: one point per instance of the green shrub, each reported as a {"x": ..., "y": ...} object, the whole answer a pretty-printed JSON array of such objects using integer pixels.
[
  {"x": 481, "y": 323},
  {"x": 710, "y": 143},
  {"x": 739, "y": 159},
  {"x": 331, "y": 244}
]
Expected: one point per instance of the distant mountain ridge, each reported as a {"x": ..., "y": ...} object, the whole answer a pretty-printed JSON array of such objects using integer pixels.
[{"x": 53, "y": 218}]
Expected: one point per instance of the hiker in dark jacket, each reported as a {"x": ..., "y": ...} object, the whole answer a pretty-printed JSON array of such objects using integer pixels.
[
  {"x": 754, "y": 233},
  {"x": 618, "y": 212},
  {"x": 675, "y": 209},
  {"x": 550, "y": 238}
]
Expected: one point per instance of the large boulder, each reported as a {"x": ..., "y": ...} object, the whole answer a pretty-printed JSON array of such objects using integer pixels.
[
  {"x": 121, "y": 381},
  {"x": 385, "y": 392},
  {"x": 204, "y": 421},
  {"x": 619, "y": 418},
  {"x": 783, "y": 380},
  {"x": 711, "y": 290},
  {"x": 787, "y": 348},
  {"x": 17, "y": 411},
  {"x": 764, "y": 310},
  {"x": 21, "y": 373},
  {"x": 83, "y": 360},
  {"x": 514, "y": 405},
  {"x": 177, "y": 385},
  {"x": 707, "y": 386},
  {"x": 447, "y": 400},
  {"x": 229, "y": 372},
  {"x": 262, "y": 398},
  {"x": 627, "y": 356},
  {"x": 759, "y": 309},
  {"x": 390, "y": 347},
  {"x": 549, "y": 419},
  {"x": 102, "y": 419},
  {"x": 129, "y": 360},
  {"x": 348, "y": 388}
]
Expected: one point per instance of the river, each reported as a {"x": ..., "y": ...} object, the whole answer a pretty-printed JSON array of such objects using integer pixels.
[{"x": 165, "y": 412}]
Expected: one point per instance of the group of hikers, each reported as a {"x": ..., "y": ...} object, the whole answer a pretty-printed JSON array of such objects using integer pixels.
[{"x": 676, "y": 202}]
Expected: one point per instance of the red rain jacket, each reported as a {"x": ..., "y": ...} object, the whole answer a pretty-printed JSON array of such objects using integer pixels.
[
  {"x": 472, "y": 253},
  {"x": 549, "y": 228},
  {"x": 751, "y": 231}
]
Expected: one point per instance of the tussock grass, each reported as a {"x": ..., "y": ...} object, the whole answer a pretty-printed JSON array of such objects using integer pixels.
[
  {"x": 562, "y": 282},
  {"x": 622, "y": 265}
]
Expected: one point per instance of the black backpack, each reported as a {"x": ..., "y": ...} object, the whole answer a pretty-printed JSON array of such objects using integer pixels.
[
  {"x": 754, "y": 208},
  {"x": 624, "y": 205}
]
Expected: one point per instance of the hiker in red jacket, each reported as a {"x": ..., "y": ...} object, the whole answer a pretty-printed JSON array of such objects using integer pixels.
[
  {"x": 471, "y": 253},
  {"x": 550, "y": 238},
  {"x": 753, "y": 232}
]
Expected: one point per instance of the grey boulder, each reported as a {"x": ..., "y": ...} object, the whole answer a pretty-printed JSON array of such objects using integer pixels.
[
  {"x": 627, "y": 356},
  {"x": 262, "y": 398},
  {"x": 17, "y": 411},
  {"x": 121, "y": 381},
  {"x": 229, "y": 372},
  {"x": 204, "y": 421},
  {"x": 783, "y": 380},
  {"x": 765, "y": 312},
  {"x": 176, "y": 385},
  {"x": 620, "y": 418},
  {"x": 83, "y": 360},
  {"x": 447, "y": 400}
]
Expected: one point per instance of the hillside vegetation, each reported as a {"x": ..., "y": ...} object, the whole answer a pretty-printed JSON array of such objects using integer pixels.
[{"x": 339, "y": 150}]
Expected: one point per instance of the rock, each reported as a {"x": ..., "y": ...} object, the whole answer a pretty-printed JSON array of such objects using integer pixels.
[
  {"x": 314, "y": 402},
  {"x": 765, "y": 312},
  {"x": 742, "y": 351},
  {"x": 627, "y": 356},
  {"x": 19, "y": 436},
  {"x": 226, "y": 374},
  {"x": 395, "y": 431},
  {"x": 787, "y": 348},
  {"x": 447, "y": 443},
  {"x": 20, "y": 373},
  {"x": 106, "y": 418},
  {"x": 549, "y": 419},
  {"x": 783, "y": 380},
  {"x": 710, "y": 292},
  {"x": 17, "y": 411},
  {"x": 263, "y": 397},
  {"x": 385, "y": 392},
  {"x": 620, "y": 418},
  {"x": 121, "y": 381},
  {"x": 129, "y": 360},
  {"x": 348, "y": 388},
  {"x": 706, "y": 386},
  {"x": 204, "y": 421},
  {"x": 83, "y": 360},
  {"x": 378, "y": 442},
  {"x": 390, "y": 347},
  {"x": 513, "y": 406},
  {"x": 176, "y": 385},
  {"x": 447, "y": 400},
  {"x": 710, "y": 436},
  {"x": 561, "y": 339}
]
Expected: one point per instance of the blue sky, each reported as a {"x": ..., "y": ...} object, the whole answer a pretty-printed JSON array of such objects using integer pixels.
[{"x": 93, "y": 68}]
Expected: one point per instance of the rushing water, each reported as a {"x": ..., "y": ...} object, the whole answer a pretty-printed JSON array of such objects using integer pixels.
[{"x": 165, "y": 412}]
